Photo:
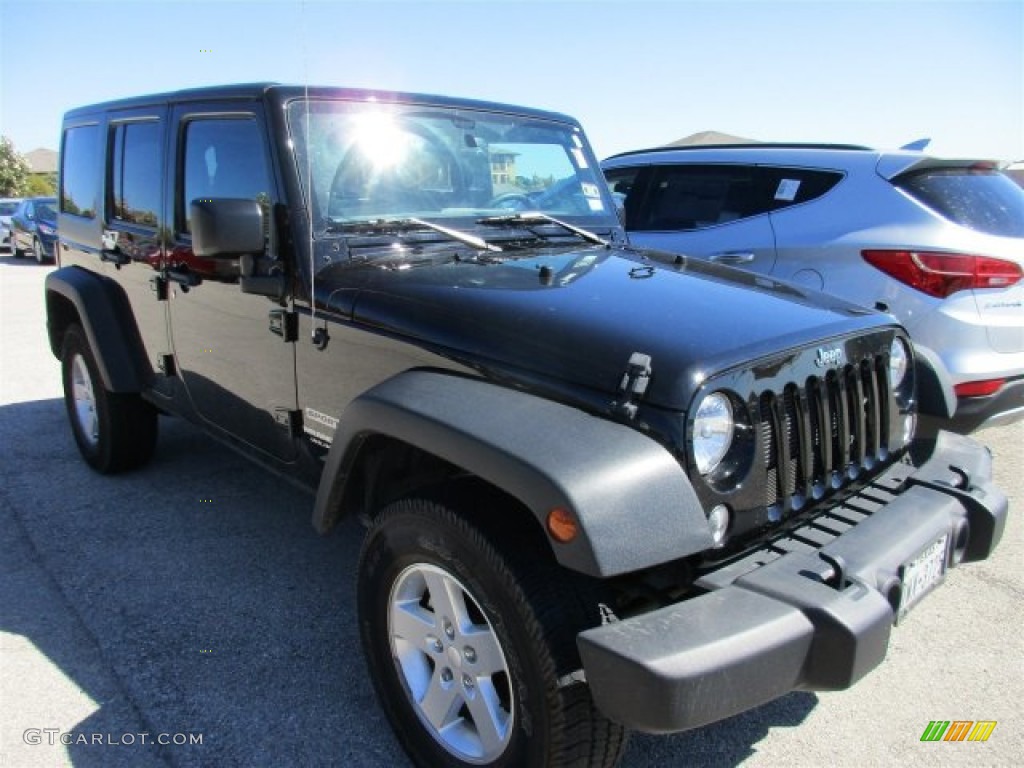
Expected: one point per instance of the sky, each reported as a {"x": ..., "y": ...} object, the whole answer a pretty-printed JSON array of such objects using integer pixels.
[{"x": 636, "y": 74}]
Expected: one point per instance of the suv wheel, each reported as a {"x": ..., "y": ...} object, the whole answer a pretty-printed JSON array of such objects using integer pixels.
[
  {"x": 466, "y": 644},
  {"x": 37, "y": 251},
  {"x": 114, "y": 431},
  {"x": 15, "y": 250}
]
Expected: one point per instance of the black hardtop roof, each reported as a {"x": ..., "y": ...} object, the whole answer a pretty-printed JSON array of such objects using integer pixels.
[
  {"x": 281, "y": 93},
  {"x": 755, "y": 146}
]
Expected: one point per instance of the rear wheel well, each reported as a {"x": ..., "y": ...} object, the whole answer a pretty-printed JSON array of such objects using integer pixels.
[{"x": 60, "y": 313}]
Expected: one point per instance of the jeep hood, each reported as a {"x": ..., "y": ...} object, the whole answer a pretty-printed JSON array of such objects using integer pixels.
[{"x": 576, "y": 316}]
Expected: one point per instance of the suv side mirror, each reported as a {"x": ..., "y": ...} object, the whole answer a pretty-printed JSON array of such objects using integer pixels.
[{"x": 226, "y": 227}]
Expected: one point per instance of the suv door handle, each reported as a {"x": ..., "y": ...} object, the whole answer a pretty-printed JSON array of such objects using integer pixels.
[{"x": 734, "y": 257}]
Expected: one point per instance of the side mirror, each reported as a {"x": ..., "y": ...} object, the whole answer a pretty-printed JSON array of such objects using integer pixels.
[{"x": 226, "y": 227}]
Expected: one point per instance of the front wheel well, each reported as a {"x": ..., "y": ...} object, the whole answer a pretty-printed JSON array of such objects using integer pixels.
[{"x": 385, "y": 469}]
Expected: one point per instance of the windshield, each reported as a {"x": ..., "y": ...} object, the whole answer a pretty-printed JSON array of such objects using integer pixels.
[
  {"x": 366, "y": 161},
  {"x": 46, "y": 211}
]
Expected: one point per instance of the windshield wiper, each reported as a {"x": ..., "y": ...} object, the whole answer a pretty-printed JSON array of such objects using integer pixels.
[
  {"x": 399, "y": 226},
  {"x": 532, "y": 218}
]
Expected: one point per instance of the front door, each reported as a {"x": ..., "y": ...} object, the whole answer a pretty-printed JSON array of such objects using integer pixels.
[{"x": 239, "y": 376}]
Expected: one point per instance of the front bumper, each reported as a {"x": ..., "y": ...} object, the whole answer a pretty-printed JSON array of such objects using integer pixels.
[{"x": 812, "y": 611}]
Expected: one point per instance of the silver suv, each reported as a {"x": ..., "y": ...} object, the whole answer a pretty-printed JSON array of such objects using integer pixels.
[{"x": 937, "y": 243}]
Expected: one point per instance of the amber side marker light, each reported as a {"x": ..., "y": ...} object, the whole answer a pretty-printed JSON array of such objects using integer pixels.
[{"x": 562, "y": 525}]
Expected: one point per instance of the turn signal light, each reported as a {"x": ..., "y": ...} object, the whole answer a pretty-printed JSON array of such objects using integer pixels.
[
  {"x": 941, "y": 274},
  {"x": 562, "y": 525}
]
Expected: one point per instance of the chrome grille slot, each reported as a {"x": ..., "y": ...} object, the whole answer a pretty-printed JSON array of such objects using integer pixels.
[{"x": 817, "y": 437}]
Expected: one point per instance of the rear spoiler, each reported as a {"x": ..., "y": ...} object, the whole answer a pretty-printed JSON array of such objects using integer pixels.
[{"x": 893, "y": 164}]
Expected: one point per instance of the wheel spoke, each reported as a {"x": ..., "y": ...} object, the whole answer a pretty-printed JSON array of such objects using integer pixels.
[
  {"x": 412, "y": 623},
  {"x": 447, "y": 599},
  {"x": 441, "y": 703},
  {"x": 488, "y": 657},
  {"x": 489, "y": 719}
]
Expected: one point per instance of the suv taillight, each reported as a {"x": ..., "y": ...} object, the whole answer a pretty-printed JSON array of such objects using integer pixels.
[{"x": 941, "y": 274}]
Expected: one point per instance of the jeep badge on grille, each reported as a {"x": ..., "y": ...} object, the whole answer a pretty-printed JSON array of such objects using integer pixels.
[{"x": 829, "y": 358}]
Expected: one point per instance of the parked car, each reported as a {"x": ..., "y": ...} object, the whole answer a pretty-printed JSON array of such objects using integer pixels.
[
  {"x": 34, "y": 228},
  {"x": 937, "y": 243},
  {"x": 8, "y": 205}
]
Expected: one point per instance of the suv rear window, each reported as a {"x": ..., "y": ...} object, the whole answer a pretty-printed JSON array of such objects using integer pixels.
[{"x": 985, "y": 200}]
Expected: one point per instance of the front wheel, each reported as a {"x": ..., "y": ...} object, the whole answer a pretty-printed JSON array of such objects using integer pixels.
[
  {"x": 37, "y": 251},
  {"x": 114, "y": 431},
  {"x": 471, "y": 647}
]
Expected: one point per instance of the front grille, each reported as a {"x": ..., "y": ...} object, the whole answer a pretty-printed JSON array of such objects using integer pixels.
[{"x": 820, "y": 436}]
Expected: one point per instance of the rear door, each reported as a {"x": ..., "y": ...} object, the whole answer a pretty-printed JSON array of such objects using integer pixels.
[
  {"x": 718, "y": 212},
  {"x": 238, "y": 373}
]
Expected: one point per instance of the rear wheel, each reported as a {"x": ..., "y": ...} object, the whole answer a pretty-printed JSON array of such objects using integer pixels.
[
  {"x": 470, "y": 646},
  {"x": 114, "y": 431},
  {"x": 15, "y": 250}
]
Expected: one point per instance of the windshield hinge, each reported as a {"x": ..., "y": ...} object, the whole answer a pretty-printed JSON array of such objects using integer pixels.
[{"x": 633, "y": 385}]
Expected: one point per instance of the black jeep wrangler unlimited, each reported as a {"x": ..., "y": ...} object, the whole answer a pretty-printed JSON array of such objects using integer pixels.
[{"x": 606, "y": 489}]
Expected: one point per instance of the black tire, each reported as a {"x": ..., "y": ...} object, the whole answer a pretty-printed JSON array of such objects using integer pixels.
[
  {"x": 37, "y": 251},
  {"x": 518, "y": 601},
  {"x": 15, "y": 251},
  {"x": 114, "y": 431}
]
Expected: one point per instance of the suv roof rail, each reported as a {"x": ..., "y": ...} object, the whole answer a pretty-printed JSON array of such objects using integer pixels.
[{"x": 752, "y": 145}]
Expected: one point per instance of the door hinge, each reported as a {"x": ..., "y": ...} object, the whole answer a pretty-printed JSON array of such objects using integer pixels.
[
  {"x": 285, "y": 324},
  {"x": 290, "y": 419},
  {"x": 166, "y": 365},
  {"x": 633, "y": 385},
  {"x": 159, "y": 286}
]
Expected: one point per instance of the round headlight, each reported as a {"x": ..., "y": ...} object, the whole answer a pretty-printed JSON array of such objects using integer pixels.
[
  {"x": 899, "y": 362},
  {"x": 712, "y": 431}
]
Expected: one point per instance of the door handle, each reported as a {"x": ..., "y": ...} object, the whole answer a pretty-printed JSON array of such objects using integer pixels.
[{"x": 734, "y": 257}]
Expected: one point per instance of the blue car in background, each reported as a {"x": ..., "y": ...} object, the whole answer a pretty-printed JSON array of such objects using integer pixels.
[{"x": 34, "y": 228}]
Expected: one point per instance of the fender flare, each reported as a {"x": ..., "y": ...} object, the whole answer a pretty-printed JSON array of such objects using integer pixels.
[
  {"x": 106, "y": 317},
  {"x": 634, "y": 503},
  {"x": 935, "y": 395}
]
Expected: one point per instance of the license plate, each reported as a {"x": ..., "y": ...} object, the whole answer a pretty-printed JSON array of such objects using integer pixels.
[{"x": 921, "y": 574}]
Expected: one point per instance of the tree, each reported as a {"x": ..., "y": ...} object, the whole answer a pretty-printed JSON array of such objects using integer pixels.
[
  {"x": 14, "y": 170},
  {"x": 41, "y": 185}
]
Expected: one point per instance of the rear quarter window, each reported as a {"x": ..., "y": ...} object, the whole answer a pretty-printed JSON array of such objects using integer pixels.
[
  {"x": 80, "y": 171},
  {"x": 984, "y": 200}
]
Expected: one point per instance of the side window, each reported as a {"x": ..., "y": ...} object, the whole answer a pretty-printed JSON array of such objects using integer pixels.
[
  {"x": 223, "y": 158},
  {"x": 789, "y": 186},
  {"x": 684, "y": 197},
  {"x": 80, "y": 171},
  {"x": 622, "y": 182},
  {"x": 134, "y": 170}
]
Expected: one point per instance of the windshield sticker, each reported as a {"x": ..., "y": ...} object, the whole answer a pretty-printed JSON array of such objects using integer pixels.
[
  {"x": 581, "y": 161},
  {"x": 787, "y": 190},
  {"x": 595, "y": 205},
  {"x": 590, "y": 190}
]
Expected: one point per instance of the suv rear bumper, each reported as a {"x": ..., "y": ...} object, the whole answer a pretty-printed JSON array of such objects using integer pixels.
[{"x": 817, "y": 617}]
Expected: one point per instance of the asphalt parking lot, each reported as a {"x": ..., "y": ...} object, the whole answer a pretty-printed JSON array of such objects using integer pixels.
[{"x": 193, "y": 601}]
